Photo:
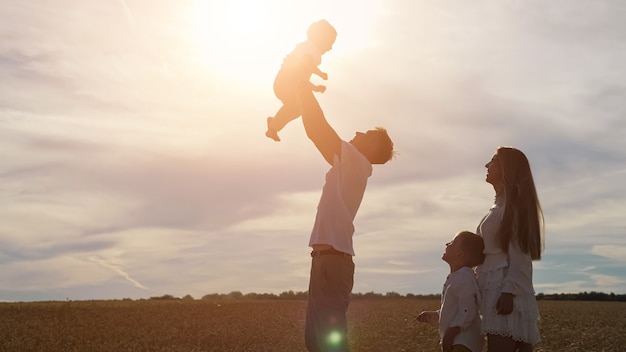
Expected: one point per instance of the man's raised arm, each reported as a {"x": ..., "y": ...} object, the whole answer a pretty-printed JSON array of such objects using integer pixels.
[{"x": 317, "y": 128}]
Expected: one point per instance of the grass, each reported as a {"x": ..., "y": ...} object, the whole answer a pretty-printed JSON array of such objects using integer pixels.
[{"x": 276, "y": 325}]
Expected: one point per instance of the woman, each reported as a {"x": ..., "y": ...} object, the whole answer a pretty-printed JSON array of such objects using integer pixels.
[{"x": 513, "y": 235}]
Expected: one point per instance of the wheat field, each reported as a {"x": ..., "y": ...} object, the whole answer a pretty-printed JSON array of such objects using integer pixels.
[{"x": 273, "y": 325}]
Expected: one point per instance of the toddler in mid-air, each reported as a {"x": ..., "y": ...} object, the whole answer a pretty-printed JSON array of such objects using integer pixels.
[{"x": 296, "y": 70}]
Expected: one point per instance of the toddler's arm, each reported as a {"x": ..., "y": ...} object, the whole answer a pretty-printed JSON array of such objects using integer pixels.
[
  {"x": 322, "y": 75},
  {"x": 313, "y": 87}
]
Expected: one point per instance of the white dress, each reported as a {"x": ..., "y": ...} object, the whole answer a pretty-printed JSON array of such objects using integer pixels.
[{"x": 506, "y": 272}]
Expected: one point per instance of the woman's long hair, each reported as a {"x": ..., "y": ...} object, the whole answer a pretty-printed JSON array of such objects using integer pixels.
[{"x": 523, "y": 218}]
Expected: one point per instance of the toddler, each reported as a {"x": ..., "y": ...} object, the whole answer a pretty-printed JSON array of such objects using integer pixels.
[{"x": 296, "y": 70}]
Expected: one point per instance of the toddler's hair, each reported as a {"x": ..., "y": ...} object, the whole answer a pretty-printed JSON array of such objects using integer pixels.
[
  {"x": 320, "y": 31},
  {"x": 473, "y": 246}
]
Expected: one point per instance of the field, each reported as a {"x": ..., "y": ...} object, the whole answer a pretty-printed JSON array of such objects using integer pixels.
[{"x": 276, "y": 325}]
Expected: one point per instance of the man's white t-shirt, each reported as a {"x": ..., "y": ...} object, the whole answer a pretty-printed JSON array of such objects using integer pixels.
[{"x": 341, "y": 197}]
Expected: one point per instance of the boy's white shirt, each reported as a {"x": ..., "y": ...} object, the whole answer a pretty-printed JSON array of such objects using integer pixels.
[{"x": 459, "y": 307}]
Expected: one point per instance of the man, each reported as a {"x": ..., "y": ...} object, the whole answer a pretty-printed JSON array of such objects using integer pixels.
[{"x": 332, "y": 268}]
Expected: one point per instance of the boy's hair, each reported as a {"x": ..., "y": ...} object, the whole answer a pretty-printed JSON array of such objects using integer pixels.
[
  {"x": 321, "y": 31},
  {"x": 473, "y": 246},
  {"x": 385, "y": 147}
]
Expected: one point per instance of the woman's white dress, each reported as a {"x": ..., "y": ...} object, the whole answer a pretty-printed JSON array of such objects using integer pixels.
[{"x": 506, "y": 272}]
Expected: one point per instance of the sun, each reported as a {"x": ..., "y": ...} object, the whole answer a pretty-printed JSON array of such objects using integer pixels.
[
  {"x": 227, "y": 23},
  {"x": 247, "y": 39},
  {"x": 233, "y": 37}
]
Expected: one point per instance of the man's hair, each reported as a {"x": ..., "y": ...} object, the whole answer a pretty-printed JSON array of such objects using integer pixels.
[
  {"x": 384, "y": 152},
  {"x": 473, "y": 247}
]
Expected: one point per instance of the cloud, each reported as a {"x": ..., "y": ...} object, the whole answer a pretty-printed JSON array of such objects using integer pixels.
[
  {"x": 608, "y": 281},
  {"x": 562, "y": 287},
  {"x": 56, "y": 272},
  {"x": 613, "y": 252},
  {"x": 117, "y": 270},
  {"x": 396, "y": 271}
]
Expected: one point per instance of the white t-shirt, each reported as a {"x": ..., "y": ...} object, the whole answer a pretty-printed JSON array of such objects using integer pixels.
[
  {"x": 341, "y": 197},
  {"x": 459, "y": 307}
]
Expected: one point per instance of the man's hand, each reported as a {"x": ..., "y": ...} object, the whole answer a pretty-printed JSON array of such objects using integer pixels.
[
  {"x": 428, "y": 316},
  {"x": 504, "y": 306},
  {"x": 323, "y": 75}
]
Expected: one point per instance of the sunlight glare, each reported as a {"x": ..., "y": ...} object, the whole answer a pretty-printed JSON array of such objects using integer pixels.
[
  {"x": 247, "y": 39},
  {"x": 230, "y": 36}
]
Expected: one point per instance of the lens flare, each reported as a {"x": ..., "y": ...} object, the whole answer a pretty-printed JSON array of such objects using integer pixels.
[{"x": 334, "y": 338}]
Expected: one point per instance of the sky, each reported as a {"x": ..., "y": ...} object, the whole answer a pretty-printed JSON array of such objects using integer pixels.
[{"x": 133, "y": 160}]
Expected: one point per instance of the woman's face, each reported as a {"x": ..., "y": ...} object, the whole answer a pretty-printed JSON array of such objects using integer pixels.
[{"x": 494, "y": 171}]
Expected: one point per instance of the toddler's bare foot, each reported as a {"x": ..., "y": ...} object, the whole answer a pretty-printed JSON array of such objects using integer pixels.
[{"x": 271, "y": 133}]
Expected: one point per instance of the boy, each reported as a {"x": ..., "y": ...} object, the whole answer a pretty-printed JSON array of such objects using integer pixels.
[
  {"x": 296, "y": 70},
  {"x": 459, "y": 321}
]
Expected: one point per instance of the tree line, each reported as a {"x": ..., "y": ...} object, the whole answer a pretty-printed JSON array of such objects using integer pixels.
[
  {"x": 583, "y": 296},
  {"x": 303, "y": 295}
]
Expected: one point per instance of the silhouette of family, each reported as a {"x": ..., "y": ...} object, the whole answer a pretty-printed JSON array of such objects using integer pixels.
[{"x": 489, "y": 291}]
